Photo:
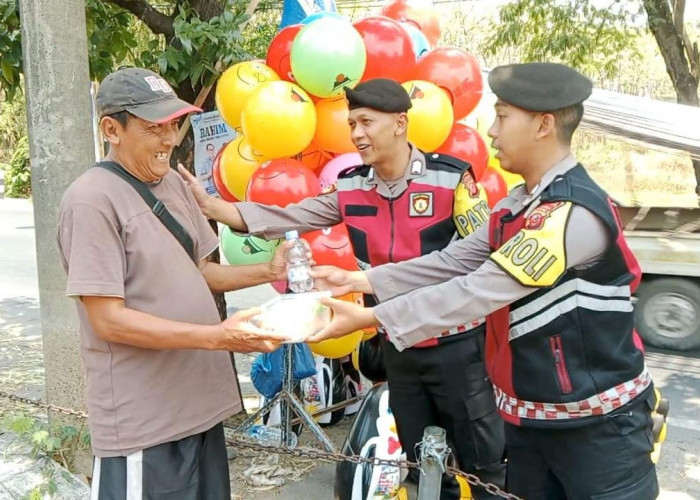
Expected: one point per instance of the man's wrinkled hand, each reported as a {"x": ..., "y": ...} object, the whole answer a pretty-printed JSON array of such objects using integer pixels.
[
  {"x": 241, "y": 335},
  {"x": 278, "y": 264},
  {"x": 198, "y": 191}
]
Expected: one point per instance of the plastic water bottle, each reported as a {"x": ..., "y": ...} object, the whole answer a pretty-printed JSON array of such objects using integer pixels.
[
  {"x": 270, "y": 436},
  {"x": 298, "y": 266}
]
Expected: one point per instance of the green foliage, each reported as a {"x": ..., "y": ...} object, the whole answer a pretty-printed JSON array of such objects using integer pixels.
[
  {"x": 56, "y": 440},
  {"x": 10, "y": 48},
  {"x": 199, "y": 45},
  {"x": 574, "y": 32},
  {"x": 18, "y": 183},
  {"x": 13, "y": 125}
]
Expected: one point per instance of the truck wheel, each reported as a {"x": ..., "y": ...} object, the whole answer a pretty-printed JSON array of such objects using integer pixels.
[{"x": 667, "y": 313}]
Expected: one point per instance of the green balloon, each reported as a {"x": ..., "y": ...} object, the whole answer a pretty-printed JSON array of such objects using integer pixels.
[
  {"x": 241, "y": 249},
  {"x": 327, "y": 56}
]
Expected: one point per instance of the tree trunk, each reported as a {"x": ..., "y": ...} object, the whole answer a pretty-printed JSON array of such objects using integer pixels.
[{"x": 681, "y": 60}]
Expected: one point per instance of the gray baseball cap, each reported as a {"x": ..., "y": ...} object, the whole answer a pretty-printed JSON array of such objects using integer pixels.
[{"x": 142, "y": 93}]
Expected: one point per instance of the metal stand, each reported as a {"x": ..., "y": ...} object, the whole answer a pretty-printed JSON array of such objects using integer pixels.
[{"x": 289, "y": 404}]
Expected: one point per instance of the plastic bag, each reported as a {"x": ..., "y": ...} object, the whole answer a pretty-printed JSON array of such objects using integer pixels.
[{"x": 267, "y": 370}]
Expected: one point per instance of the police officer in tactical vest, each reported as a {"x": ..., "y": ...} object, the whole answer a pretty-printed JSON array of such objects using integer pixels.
[
  {"x": 403, "y": 203},
  {"x": 553, "y": 275}
]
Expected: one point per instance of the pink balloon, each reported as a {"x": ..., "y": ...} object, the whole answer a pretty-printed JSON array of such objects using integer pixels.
[
  {"x": 330, "y": 172},
  {"x": 280, "y": 286}
]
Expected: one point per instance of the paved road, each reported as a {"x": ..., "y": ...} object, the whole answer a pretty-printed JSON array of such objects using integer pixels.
[{"x": 676, "y": 374}]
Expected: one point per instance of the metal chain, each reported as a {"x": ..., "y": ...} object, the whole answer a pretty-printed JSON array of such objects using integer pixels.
[
  {"x": 243, "y": 442},
  {"x": 41, "y": 404},
  {"x": 317, "y": 454}
]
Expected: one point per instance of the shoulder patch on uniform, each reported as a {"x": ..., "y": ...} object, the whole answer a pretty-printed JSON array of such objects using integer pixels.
[
  {"x": 536, "y": 255},
  {"x": 470, "y": 209},
  {"x": 353, "y": 171},
  {"x": 331, "y": 188},
  {"x": 439, "y": 161}
]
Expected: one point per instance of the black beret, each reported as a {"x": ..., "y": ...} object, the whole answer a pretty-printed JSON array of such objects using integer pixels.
[
  {"x": 381, "y": 94},
  {"x": 539, "y": 86}
]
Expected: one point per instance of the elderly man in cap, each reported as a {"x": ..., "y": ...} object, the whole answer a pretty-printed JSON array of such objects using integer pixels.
[
  {"x": 401, "y": 204},
  {"x": 134, "y": 244},
  {"x": 554, "y": 276}
]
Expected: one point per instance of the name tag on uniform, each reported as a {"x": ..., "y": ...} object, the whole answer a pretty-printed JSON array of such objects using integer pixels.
[{"x": 421, "y": 205}]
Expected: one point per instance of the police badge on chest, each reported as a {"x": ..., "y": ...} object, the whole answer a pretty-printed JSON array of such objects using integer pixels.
[{"x": 421, "y": 205}]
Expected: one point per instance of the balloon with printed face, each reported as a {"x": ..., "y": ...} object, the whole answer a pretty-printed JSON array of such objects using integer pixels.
[
  {"x": 281, "y": 182},
  {"x": 421, "y": 14},
  {"x": 456, "y": 71},
  {"x": 238, "y": 162},
  {"x": 235, "y": 86},
  {"x": 278, "y": 54},
  {"x": 420, "y": 43},
  {"x": 494, "y": 185},
  {"x": 332, "y": 247},
  {"x": 243, "y": 249},
  {"x": 332, "y": 129},
  {"x": 329, "y": 173},
  {"x": 389, "y": 49},
  {"x": 430, "y": 117},
  {"x": 466, "y": 144},
  {"x": 272, "y": 112},
  {"x": 327, "y": 56}
]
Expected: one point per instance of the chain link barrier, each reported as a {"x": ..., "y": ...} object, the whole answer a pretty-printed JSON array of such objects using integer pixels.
[{"x": 242, "y": 441}]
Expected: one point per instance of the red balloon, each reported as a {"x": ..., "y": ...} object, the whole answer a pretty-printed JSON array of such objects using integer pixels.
[
  {"x": 332, "y": 247},
  {"x": 218, "y": 183},
  {"x": 423, "y": 17},
  {"x": 389, "y": 49},
  {"x": 278, "y": 52},
  {"x": 282, "y": 181},
  {"x": 494, "y": 185},
  {"x": 455, "y": 70},
  {"x": 466, "y": 144}
]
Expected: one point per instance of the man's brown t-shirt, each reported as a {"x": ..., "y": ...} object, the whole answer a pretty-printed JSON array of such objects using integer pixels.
[{"x": 113, "y": 245}]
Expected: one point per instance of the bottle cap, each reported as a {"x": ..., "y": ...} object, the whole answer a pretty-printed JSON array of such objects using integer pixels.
[{"x": 291, "y": 235}]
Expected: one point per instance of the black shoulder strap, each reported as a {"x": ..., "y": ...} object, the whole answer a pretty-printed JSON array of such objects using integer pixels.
[{"x": 156, "y": 206}]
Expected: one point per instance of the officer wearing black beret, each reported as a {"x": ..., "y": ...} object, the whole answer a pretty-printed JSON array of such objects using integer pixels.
[
  {"x": 553, "y": 275},
  {"x": 402, "y": 203}
]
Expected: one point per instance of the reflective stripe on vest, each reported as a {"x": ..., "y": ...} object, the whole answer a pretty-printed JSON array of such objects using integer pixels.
[{"x": 600, "y": 404}]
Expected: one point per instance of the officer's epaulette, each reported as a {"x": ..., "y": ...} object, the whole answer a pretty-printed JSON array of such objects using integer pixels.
[
  {"x": 362, "y": 170},
  {"x": 439, "y": 161}
]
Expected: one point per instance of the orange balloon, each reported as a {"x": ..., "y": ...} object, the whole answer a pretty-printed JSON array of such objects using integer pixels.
[
  {"x": 238, "y": 162},
  {"x": 420, "y": 14},
  {"x": 332, "y": 129},
  {"x": 314, "y": 157}
]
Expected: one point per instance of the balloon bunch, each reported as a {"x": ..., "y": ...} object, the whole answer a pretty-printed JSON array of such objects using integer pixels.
[{"x": 291, "y": 116}]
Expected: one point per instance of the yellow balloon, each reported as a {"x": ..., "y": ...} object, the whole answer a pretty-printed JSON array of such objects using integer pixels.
[
  {"x": 368, "y": 333},
  {"x": 279, "y": 119},
  {"x": 235, "y": 86},
  {"x": 337, "y": 348},
  {"x": 431, "y": 116},
  {"x": 237, "y": 163}
]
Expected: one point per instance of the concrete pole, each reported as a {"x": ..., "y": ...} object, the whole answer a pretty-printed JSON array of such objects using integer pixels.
[
  {"x": 432, "y": 459},
  {"x": 59, "y": 116}
]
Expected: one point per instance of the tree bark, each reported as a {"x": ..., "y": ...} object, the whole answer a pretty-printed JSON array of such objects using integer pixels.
[
  {"x": 673, "y": 50},
  {"x": 157, "y": 22}
]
